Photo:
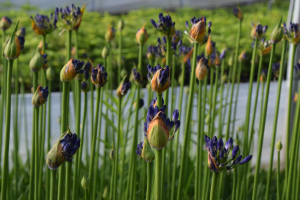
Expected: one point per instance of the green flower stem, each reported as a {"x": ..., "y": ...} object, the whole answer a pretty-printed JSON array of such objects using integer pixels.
[
  {"x": 171, "y": 110},
  {"x": 86, "y": 194},
  {"x": 32, "y": 161},
  {"x": 7, "y": 131},
  {"x": 198, "y": 179},
  {"x": 262, "y": 124},
  {"x": 77, "y": 129},
  {"x": 148, "y": 181},
  {"x": 177, "y": 135},
  {"x": 212, "y": 121},
  {"x": 287, "y": 139},
  {"x": 112, "y": 180},
  {"x": 278, "y": 175},
  {"x": 236, "y": 97},
  {"x": 65, "y": 121},
  {"x": 158, "y": 177},
  {"x": 211, "y": 96},
  {"x": 234, "y": 187},
  {"x": 233, "y": 78},
  {"x": 25, "y": 119},
  {"x": 227, "y": 93},
  {"x": 117, "y": 148},
  {"x": 82, "y": 134},
  {"x": 123, "y": 155},
  {"x": 16, "y": 142},
  {"x": 275, "y": 120},
  {"x": 220, "y": 185},
  {"x": 99, "y": 98},
  {"x": 132, "y": 166},
  {"x": 52, "y": 185},
  {"x": 120, "y": 56},
  {"x": 48, "y": 171},
  {"x": 37, "y": 154},
  {"x": 213, "y": 185},
  {"x": 187, "y": 122},
  {"x": 255, "y": 103},
  {"x": 92, "y": 105}
]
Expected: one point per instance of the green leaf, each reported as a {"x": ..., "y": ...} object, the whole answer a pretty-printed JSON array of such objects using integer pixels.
[
  {"x": 109, "y": 122},
  {"x": 111, "y": 108}
]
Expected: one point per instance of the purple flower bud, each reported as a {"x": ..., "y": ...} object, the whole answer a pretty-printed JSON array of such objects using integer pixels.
[
  {"x": 220, "y": 144},
  {"x": 175, "y": 115},
  {"x": 187, "y": 24},
  {"x": 153, "y": 23},
  {"x": 177, "y": 124},
  {"x": 237, "y": 160},
  {"x": 235, "y": 150},
  {"x": 245, "y": 160},
  {"x": 229, "y": 144}
]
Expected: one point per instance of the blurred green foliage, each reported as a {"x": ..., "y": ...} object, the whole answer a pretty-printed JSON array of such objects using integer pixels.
[{"x": 94, "y": 25}]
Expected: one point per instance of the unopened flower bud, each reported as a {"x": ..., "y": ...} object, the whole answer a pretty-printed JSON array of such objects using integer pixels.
[
  {"x": 121, "y": 24},
  {"x": 71, "y": 69},
  {"x": 85, "y": 86},
  {"x": 142, "y": 35},
  {"x": 201, "y": 69},
  {"x": 5, "y": 23},
  {"x": 161, "y": 78},
  {"x": 40, "y": 96},
  {"x": 277, "y": 33},
  {"x": 210, "y": 46},
  {"x": 123, "y": 88},
  {"x": 279, "y": 145},
  {"x": 112, "y": 154},
  {"x": 110, "y": 33},
  {"x": 141, "y": 104},
  {"x": 38, "y": 60},
  {"x": 99, "y": 76},
  {"x": 85, "y": 182},
  {"x": 145, "y": 151},
  {"x": 238, "y": 13},
  {"x": 50, "y": 74},
  {"x": 14, "y": 45},
  {"x": 105, "y": 52},
  {"x": 137, "y": 76}
]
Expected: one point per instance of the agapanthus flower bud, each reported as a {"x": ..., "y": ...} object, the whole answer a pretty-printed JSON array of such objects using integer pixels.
[
  {"x": 238, "y": 13},
  {"x": 219, "y": 157},
  {"x": 141, "y": 104},
  {"x": 5, "y": 23},
  {"x": 42, "y": 24},
  {"x": 264, "y": 47},
  {"x": 144, "y": 151},
  {"x": 197, "y": 34},
  {"x": 275, "y": 68},
  {"x": 165, "y": 25},
  {"x": 177, "y": 37},
  {"x": 263, "y": 75},
  {"x": 210, "y": 46},
  {"x": 279, "y": 145},
  {"x": 121, "y": 24},
  {"x": 292, "y": 35},
  {"x": 242, "y": 56},
  {"x": 123, "y": 88},
  {"x": 158, "y": 127},
  {"x": 63, "y": 150},
  {"x": 152, "y": 52},
  {"x": 105, "y": 52},
  {"x": 185, "y": 52},
  {"x": 69, "y": 18},
  {"x": 137, "y": 76},
  {"x": 85, "y": 182},
  {"x": 85, "y": 86},
  {"x": 50, "y": 74},
  {"x": 222, "y": 55},
  {"x": 38, "y": 60},
  {"x": 40, "y": 96},
  {"x": 71, "y": 69},
  {"x": 21, "y": 32},
  {"x": 258, "y": 31},
  {"x": 99, "y": 76},
  {"x": 214, "y": 59},
  {"x": 160, "y": 78},
  {"x": 13, "y": 45},
  {"x": 141, "y": 35},
  {"x": 110, "y": 33},
  {"x": 88, "y": 69},
  {"x": 277, "y": 33},
  {"x": 201, "y": 69}
]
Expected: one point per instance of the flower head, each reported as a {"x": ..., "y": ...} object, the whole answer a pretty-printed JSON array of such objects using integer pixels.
[
  {"x": 14, "y": 45},
  {"x": 142, "y": 35},
  {"x": 277, "y": 33},
  {"x": 210, "y": 46},
  {"x": 263, "y": 75},
  {"x": 165, "y": 25},
  {"x": 264, "y": 47},
  {"x": 63, "y": 150},
  {"x": 242, "y": 56},
  {"x": 21, "y": 32},
  {"x": 141, "y": 103},
  {"x": 110, "y": 33},
  {"x": 219, "y": 157},
  {"x": 99, "y": 76},
  {"x": 258, "y": 31},
  {"x": 152, "y": 52},
  {"x": 197, "y": 34},
  {"x": 159, "y": 78},
  {"x": 201, "y": 69},
  {"x": 158, "y": 127},
  {"x": 275, "y": 68},
  {"x": 42, "y": 24},
  {"x": 50, "y": 74},
  {"x": 123, "y": 88},
  {"x": 144, "y": 151},
  {"x": 85, "y": 86},
  {"x": 291, "y": 34},
  {"x": 69, "y": 18},
  {"x": 40, "y": 96},
  {"x": 120, "y": 24},
  {"x": 137, "y": 76},
  {"x": 237, "y": 13},
  {"x": 5, "y": 23},
  {"x": 71, "y": 69},
  {"x": 214, "y": 59},
  {"x": 38, "y": 60}
]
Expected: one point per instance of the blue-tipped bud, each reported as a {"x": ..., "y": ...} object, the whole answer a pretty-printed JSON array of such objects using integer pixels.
[
  {"x": 14, "y": 45},
  {"x": 245, "y": 160},
  {"x": 235, "y": 150},
  {"x": 40, "y": 96},
  {"x": 144, "y": 151},
  {"x": 99, "y": 76},
  {"x": 71, "y": 69},
  {"x": 165, "y": 25},
  {"x": 5, "y": 23},
  {"x": 123, "y": 88},
  {"x": 137, "y": 76},
  {"x": 277, "y": 33}
]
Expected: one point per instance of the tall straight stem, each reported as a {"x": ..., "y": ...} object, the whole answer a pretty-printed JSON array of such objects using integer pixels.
[
  {"x": 48, "y": 171},
  {"x": 198, "y": 180},
  {"x": 117, "y": 148},
  {"x": 275, "y": 120},
  {"x": 120, "y": 56},
  {"x": 288, "y": 129},
  {"x": 7, "y": 131},
  {"x": 212, "y": 121},
  {"x": 16, "y": 141},
  {"x": 148, "y": 194},
  {"x": 187, "y": 122},
  {"x": 262, "y": 125},
  {"x": 278, "y": 176},
  {"x": 236, "y": 97},
  {"x": 52, "y": 185},
  {"x": 177, "y": 135},
  {"x": 213, "y": 185}
]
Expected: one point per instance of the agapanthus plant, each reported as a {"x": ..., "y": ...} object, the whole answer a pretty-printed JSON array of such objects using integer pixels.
[
  {"x": 162, "y": 44},
  {"x": 40, "y": 96},
  {"x": 258, "y": 31},
  {"x": 136, "y": 75},
  {"x": 197, "y": 34},
  {"x": 42, "y": 24},
  {"x": 142, "y": 35},
  {"x": 152, "y": 53},
  {"x": 165, "y": 25},
  {"x": 159, "y": 78},
  {"x": 210, "y": 46},
  {"x": 291, "y": 34},
  {"x": 71, "y": 69},
  {"x": 264, "y": 47},
  {"x": 222, "y": 158},
  {"x": 99, "y": 76},
  {"x": 237, "y": 13},
  {"x": 5, "y": 23},
  {"x": 158, "y": 128},
  {"x": 69, "y": 18}
]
